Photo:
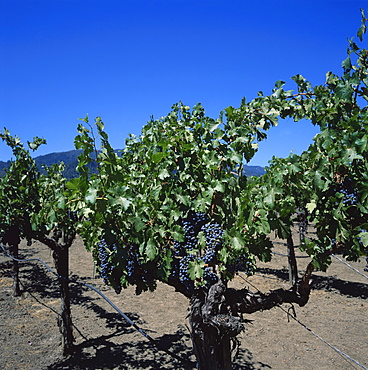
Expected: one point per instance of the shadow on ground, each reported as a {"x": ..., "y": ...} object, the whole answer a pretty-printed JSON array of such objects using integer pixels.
[
  {"x": 168, "y": 352},
  {"x": 327, "y": 283}
]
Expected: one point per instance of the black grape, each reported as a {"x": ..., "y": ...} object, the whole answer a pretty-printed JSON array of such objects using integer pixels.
[
  {"x": 349, "y": 191},
  {"x": 106, "y": 269},
  {"x": 241, "y": 263},
  {"x": 184, "y": 252},
  {"x": 105, "y": 265},
  {"x": 189, "y": 250}
]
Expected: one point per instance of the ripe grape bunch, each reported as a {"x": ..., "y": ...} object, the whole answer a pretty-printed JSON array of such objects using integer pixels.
[
  {"x": 187, "y": 251},
  {"x": 106, "y": 268},
  {"x": 349, "y": 192},
  {"x": 137, "y": 272}
]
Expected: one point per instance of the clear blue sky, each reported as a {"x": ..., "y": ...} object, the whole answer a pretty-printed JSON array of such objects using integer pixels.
[{"x": 126, "y": 60}]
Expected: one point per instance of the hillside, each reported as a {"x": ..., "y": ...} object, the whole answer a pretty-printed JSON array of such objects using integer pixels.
[{"x": 70, "y": 160}]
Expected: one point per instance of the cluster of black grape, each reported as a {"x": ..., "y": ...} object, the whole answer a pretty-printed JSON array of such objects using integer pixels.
[
  {"x": 214, "y": 237},
  {"x": 187, "y": 251},
  {"x": 130, "y": 269},
  {"x": 366, "y": 259},
  {"x": 138, "y": 273},
  {"x": 350, "y": 194},
  {"x": 210, "y": 277},
  {"x": 106, "y": 269},
  {"x": 240, "y": 264},
  {"x": 105, "y": 266},
  {"x": 183, "y": 271},
  {"x": 73, "y": 216}
]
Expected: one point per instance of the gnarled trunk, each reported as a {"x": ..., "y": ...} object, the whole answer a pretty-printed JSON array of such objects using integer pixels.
[
  {"x": 213, "y": 329},
  {"x": 215, "y": 317}
]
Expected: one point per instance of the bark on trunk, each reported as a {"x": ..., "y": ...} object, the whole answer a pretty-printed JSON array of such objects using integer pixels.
[
  {"x": 213, "y": 329},
  {"x": 12, "y": 238},
  {"x": 293, "y": 269},
  {"x": 61, "y": 258},
  {"x": 245, "y": 301},
  {"x": 14, "y": 250},
  {"x": 215, "y": 317}
]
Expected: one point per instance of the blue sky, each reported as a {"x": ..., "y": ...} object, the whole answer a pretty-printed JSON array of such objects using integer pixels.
[{"x": 128, "y": 60}]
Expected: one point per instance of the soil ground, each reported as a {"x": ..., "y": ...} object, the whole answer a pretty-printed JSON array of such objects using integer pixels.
[{"x": 337, "y": 312}]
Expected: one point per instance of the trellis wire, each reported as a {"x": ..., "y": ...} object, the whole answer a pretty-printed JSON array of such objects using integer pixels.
[
  {"x": 285, "y": 255},
  {"x": 315, "y": 334},
  {"x": 333, "y": 255},
  {"x": 131, "y": 322},
  {"x": 353, "y": 268},
  {"x": 323, "y": 340}
]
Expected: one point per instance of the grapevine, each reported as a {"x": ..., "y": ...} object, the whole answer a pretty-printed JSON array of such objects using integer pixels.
[{"x": 176, "y": 206}]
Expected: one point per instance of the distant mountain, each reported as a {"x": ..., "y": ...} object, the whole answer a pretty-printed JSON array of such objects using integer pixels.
[
  {"x": 70, "y": 160},
  {"x": 3, "y": 165},
  {"x": 254, "y": 170}
]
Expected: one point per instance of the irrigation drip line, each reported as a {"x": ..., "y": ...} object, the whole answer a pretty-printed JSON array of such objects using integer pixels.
[
  {"x": 132, "y": 323},
  {"x": 353, "y": 268},
  {"x": 315, "y": 334}
]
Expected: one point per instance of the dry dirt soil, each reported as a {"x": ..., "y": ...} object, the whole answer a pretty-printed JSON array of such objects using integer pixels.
[{"x": 337, "y": 312}]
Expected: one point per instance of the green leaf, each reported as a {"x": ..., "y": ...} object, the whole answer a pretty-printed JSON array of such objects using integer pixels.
[
  {"x": 318, "y": 180},
  {"x": 164, "y": 173},
  {"x": 236, "y": 157},
  {"x": 73, "y": 184},
  {"x": 238, "y": 242},
  {"x": 364, "y": 238},
  {"x": 100, "y": 125},
  {"x": 91, "y": 196},
  {"x": 344, "y": 91},
  {"x": 202, "y": 240},
  {"x": 179, "y": 236},
  {"x": 137, "y": 222},
  {"x": 362, "y": 143},
  {"x": 213, "y": 126},
  {"x": 279, "y": 84},
  {"x": 195, "y": 269},
  {"x": 61, "y": 203},
  {"x": 156, "y": 158},
  {"x": 218, "y": 186},
  {"x": 151, "y": 250},
  {"x": 362, "y": 29},
  {"x": 346, "y": 64},
  {"x": 183, "y": 199},
  {"x": 349, "y": 155},
  {"x": 311, "y": 206},
  {"x": 269, "y": 199},
  {"x": 123, "y": 202}
]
